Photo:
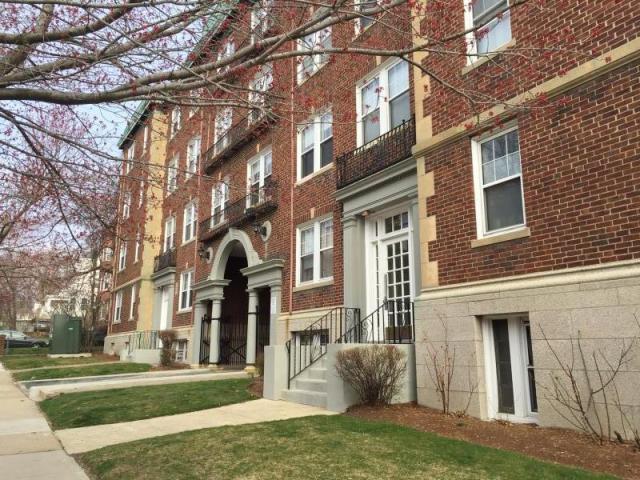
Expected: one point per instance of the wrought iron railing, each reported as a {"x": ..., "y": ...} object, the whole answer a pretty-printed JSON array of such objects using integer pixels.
[
  {"x": 164, "y": 260},
  {"x": 144, "y": 340},
  {"x": 386, "y": 150},
  {"x": 257, "y": 202},
  {"x": 392, "y": 322},
  {"x": 309, "y": 345}
]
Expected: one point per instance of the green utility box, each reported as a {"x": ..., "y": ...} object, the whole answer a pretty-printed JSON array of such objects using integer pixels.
[{"x": 66, "y": 334}]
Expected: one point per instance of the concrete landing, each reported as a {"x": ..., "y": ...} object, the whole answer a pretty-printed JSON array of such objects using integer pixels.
[{"x": 77, "y": 440}]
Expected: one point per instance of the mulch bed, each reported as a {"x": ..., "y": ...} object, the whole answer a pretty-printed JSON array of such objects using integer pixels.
[
  {"x": 256, "y": 386},
  {"x": 550, "y": 444}
]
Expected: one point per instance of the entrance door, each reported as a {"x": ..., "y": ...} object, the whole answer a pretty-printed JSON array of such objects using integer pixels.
[{"x": 164, "y": 309}]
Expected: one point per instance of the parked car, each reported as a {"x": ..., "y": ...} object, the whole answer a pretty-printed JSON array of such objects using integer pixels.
[{"x": 15, "y": 339}]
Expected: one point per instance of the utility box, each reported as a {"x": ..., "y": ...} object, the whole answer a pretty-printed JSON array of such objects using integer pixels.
[{"x": 66, "y": 335}]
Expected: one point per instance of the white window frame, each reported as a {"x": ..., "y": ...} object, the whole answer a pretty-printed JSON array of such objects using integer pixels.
[
  {"x": 472, "y": 44},
  {"x": 522, "y": 408},
  {"x": 193, "y": 156},
  {"x": 262, "y": 82},
  {"x": 122, "y": 256},
  {"x": 222, "y": 124},
  {"x": 228, "y": 50},
  {"x": 176, "y": 121},
  {"x": 180, "y": 348},
  {"x": 260, "y": 159},
  {"x": 172, "y": 174},
  {"x": 132, "y": 302},
  {"x": 117, "y": 307},
  {"x": 169, "y": 233},
  {"x": 358, "y": 23},
  {"x": 145, "y": 138},
  {"x": 131, "y": 153},
  {"x": 476, "y": 155},
  {"x": 260, "y": 20},
  {"x": 136, "y": 252},
  {"x": 141, "y": 193},
  {"x": 382, "y": 74},
  {"x": 219, "y": 201},
  {"x": 313, "y": 41},
  {"x": 186, "y": 277},
  {"x": 189, "y": 228},
  {"x": 315, "y": 225},
  {"x": 316, "y": 124},
  {"x": 126, "y": 205}
]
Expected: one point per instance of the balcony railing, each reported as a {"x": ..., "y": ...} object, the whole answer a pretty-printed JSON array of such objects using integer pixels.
[
  {"x": 256, "y": 203},
  {"x": 386, "y": 150},
  {"x": 165, "y": 260},
  {"x": 236, "y": 137}
]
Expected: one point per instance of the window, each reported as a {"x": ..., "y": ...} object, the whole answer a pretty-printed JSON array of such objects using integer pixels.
[
  {"x": 224, "y": 119},
  {"x": 261, "y": 83},
  {"x": 136, "y": 252},
  {"x": 193, "y": 152},
  {"x": 186, "y": 299},
  {"x": 106, "y": 281},
  {"x": 498, "y": 179},
  {"x": 180, "y": 350},
  {"x": 122, "y": 259},
  {"x": 377, "y": 117},
  {"x": 364, "y": 22},
  {"x": 491, "y": 20},
  {"x": 259, "y": 174},
  {"x": 260, "y": 19},
  {"x": 129, "y": 157},
  {"x": 189, "y": 223},
  {"x": 107, "y": 254},
  {"x": 126, "y": 205},
  {"x": 145, "y": 138},
  {"x": 172, "y": 175},
  {"x": 315, "y": 252},
  {"x": 169, "y": 233},
  {"x": 315, "y": 145},
  {"x": 175, "y": 121},
  {"x": 310, "y": 64},
  {"x": 141, "y": 193},
  {"x": 132, "y": 302},
  {"x": 219, "y": 199},
  {"x": 117, "y": 313},
  {"x": 227, "y": 51}
]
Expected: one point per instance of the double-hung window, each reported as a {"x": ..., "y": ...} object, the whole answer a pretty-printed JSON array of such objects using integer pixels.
[
  {"x": 490, "y": 24},
  {"x": 122, "y": 256},
  {"x": 310, "y": 63},
  {"x": 219, "y": 199},
  {"x": 224, "y": 119},
  {"x": 169, "y": 233},
  {"x": 136, "y": 252},
  {"x": 261, "y": 20},
  {"x": 140, "y": 193},
  {"x": 315, "y": 145},
  {"x": 363, "y": 22},
  {"x": 126, "y": 205},
  {"x": 189, "y": 223},
  {"x": 117, "y": 311},
  {"x": 227, "y": 51},
  {"x": 498, "y": 183},
  {"x": 193, "y": 153},
  {"x": 172, "y": 175},
  {"x": 145, "y": 138},
  {"x": 258, "y": 88},
  {"x": 132, "y": 310},
  {"x": 186, "y": 295},
  {"x": 383, "y": 102},
  {"x": 315, "y": 252},
  {"x": 176, "y": 121},
  {"x": 259, "y": 175}
]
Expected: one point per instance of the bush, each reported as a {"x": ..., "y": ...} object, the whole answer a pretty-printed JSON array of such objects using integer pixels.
[
  {"x": 167, "y": 337},
  {"x": 374, "y": 372}
]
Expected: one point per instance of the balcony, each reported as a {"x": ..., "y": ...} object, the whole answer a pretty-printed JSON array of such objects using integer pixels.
[
  {"x": 235, "y": 138},
  {"x": 386, "y": 150},
  {"x": 247, "y": 209},
  {"x": 165, "y": 260}
]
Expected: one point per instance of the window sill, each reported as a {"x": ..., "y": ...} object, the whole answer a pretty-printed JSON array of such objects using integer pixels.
[
  {"x": 187, "y": 242},
  {"x": 490, "y": 56},
  {"x": 186, "y": 310},
  {"x": 311, "y": 75},
  {"x": 311, "y": 286},
  {"x": 521, "y": 232},
  {"x": 314, "y": 174}
]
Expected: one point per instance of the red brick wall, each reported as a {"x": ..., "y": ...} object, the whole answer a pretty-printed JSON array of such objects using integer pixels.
[{"x": 581, "y": 173}]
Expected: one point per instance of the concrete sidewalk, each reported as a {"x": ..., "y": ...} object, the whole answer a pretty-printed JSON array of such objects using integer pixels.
[
  {"x": 28, "y": 448},
  {"x": 83, "y": 439}
]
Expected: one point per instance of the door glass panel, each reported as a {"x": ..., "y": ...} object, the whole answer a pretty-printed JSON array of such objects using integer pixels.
[
  {"x": 503, "y": 366},
  {"x": 531, "y": 378}
]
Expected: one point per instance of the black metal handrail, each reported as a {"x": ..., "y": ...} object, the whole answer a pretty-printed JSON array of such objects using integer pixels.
[
  {"x": 144, "y": 340},
  {"x": 380, "y": 153},
  {"x": 164, "y": 260},
  {"x": 309, "y": 345},
  {"x": 257, "y": 202},
  {"x": 392, "y": 322}
]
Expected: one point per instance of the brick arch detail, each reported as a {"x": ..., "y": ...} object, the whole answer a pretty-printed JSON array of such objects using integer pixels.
[{"x": 224, "y": 250}]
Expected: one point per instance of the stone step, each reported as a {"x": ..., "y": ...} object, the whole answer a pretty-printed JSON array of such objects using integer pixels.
[
  {"x": 310, "y": 384},
  {"x": 305, "y": 397},
  {"x": 314, "y": 373}
]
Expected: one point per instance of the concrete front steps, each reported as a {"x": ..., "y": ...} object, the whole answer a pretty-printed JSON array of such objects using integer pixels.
[{"x": 310, "y": 386}]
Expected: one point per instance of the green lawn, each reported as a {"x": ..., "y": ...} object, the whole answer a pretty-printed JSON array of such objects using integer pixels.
[
  {"x": 82, "y": 371},
  {"x": 105, "y": 406},
  {"x": 27, "y": 351},
  {"x": 18, "y": 362},
  {"x": 323, "y": 448}
]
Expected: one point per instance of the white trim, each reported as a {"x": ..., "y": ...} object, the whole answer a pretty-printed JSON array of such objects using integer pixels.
[
  {"x": 176, "y": 121},
  {"x": 311, "y": 42},
  {"x": 117, "y": 307},
  {"x": 317, "y": 279},
  {"x": 122, "y": 256},
  {"x": 189, "y": 274},
  {"x": 136, "y": 252},
  {"x": 190, "y": 209},
  {"x": 193, "y": 150},
  {"x": 316, "y": 124},
  {"x": 169, "y": 233},
  {"x": 259, "y": 159},
  {"x": 470, "y": 38},
  {"x": 132, "y": 301},
  {"x": 172, "y": 174}
]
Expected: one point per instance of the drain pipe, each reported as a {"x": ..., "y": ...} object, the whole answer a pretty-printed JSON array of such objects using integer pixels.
[{"x": 292, "y": 157}]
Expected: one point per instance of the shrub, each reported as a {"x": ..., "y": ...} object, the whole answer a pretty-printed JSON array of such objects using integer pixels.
[
  {"x": 374, "y": 372},
  {"x": 167, "y": 337}
]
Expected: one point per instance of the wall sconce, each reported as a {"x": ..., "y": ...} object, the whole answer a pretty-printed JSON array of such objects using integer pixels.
[
  {"x": 204, "y": 253},
  {"x": 260, "y": 229}
]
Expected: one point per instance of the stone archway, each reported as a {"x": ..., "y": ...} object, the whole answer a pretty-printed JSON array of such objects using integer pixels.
[{"x": 228, "y": 243}]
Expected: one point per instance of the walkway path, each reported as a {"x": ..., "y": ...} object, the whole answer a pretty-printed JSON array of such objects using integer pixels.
[
  {"x": 28, "y": 448},
  {"x": 83, "y": 439}
]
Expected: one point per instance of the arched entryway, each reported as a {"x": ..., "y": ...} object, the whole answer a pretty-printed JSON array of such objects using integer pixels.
[{"x": 234, "y": 311}]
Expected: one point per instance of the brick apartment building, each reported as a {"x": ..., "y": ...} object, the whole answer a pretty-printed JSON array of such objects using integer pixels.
[{"x": 335, "y": 207}]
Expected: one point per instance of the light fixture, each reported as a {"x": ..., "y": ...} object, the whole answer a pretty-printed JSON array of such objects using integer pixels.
[
  {"x": 203, "y": 253},
  {"x": 259, "y": 228}
]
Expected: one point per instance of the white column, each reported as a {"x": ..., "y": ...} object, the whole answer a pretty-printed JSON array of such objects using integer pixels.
[
  {"x": 274, "y": 311},
  {"x": 214, "y": 339},
  {"x": 200, "y": 309},
  {"x": 251, "y": 329}
]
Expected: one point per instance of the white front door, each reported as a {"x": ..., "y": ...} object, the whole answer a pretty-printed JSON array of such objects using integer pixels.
[{"x": 164, "y": 309}]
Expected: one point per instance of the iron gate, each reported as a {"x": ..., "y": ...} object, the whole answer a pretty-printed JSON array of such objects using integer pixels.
[
  {"x": 205, "y": 339},
  {"x": 233, "y": 343}
]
